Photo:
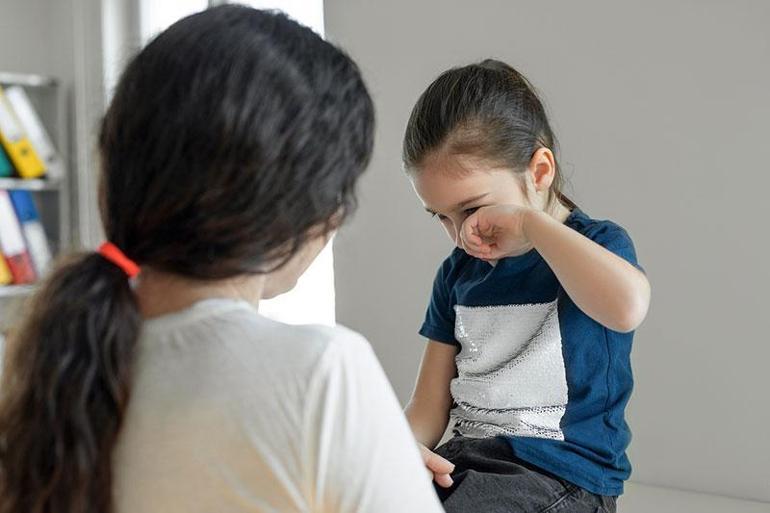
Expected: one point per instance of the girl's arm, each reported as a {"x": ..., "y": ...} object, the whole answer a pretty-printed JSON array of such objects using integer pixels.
[
  {"x": 428, "y": 409},
  {"x": 603, "y": 285}
]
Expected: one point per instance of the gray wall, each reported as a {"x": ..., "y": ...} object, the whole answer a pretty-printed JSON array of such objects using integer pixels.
[
  {"x": 36, "y": 37},
  {"x": 26, "y": 36},
  {"x": 62, "y": 38},
  {"x": 662, "y": 109}
]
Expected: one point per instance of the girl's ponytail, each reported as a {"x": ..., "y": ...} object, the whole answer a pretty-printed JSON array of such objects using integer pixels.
[{"x": 65, "y": 390}]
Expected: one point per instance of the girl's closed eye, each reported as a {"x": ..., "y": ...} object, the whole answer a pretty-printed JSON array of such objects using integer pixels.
[{"x": 466, "y": 213}]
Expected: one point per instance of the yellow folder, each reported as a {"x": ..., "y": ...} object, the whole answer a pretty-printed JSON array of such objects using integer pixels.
[
  {"x": 5, "y": 273},
  {"x": 16, "y": 143}
]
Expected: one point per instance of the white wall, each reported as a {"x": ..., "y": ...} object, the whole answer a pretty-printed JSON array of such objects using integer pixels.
[{"x": 662, "y": 110}]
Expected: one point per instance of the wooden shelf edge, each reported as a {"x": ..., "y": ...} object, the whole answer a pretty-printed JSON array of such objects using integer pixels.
[
  {"x": 26, "y": 79},
  {"x": 12, "y": 291},
  {"x": 35, "y": 184}
]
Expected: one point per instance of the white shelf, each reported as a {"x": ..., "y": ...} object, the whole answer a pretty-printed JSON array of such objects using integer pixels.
[
  {"x": 36, "y": 184},
  {"x": 24, "y": 79},
  {"x": 50, "y": 100},
  {"x": 11, "y": 291}
]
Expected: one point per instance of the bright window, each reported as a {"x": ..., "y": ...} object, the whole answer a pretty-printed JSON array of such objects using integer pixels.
[
  {"x": 312, "y": 300},
  {"x": 308, "y": 12},
  {"x": 155, "y": 16}
]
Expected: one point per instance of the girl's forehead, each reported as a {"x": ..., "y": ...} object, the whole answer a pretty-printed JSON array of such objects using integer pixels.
[
  {"x": 442, "y": 188},
  {"x": 461, "y": 171},
  {"x": 456, "y": 163}
]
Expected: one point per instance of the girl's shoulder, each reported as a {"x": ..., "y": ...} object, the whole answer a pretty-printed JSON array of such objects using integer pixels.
[
  {"x": 604, "y": 232},
  {"x": 608, "y": 234},
  {"x": 453, "y": 265}
]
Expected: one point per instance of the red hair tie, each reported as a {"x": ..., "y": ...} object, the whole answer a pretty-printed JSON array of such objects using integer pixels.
[{"x": 112, "y": 253}]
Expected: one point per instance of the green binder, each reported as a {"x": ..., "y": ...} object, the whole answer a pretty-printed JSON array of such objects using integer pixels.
[{"x": 6, "y": 169}]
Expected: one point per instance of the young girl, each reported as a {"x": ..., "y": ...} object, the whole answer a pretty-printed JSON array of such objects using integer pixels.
[
  {"x": 532, "y": 315},
  {"x": 143, "y": 378}
]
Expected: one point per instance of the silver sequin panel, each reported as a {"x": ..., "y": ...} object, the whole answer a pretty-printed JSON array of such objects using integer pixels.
[{"x": 510, "y": 371}]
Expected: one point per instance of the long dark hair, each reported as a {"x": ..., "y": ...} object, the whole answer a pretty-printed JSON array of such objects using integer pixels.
[
  {"x": 232, "y": 138},
  {"x": 488, "y": 110}
]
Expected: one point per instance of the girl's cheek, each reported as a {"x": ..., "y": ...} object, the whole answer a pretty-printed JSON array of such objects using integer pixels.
[{"x": 450, "y": 230}]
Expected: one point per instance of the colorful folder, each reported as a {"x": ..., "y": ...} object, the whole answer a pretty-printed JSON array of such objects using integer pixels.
[
  {"x": 5, "y": 273},
  {"x": 35, "y": 130},
  {"x": 12, "y": 243},
  {"x": 32, "y": 229},
  {"x": 16, "y": 143},
  {"x": 6, "y": 169}
]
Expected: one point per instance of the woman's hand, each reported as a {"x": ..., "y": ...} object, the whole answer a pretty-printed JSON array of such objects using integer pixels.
[
  {"x": 439, "y": 468},
  {"x": 495, "y": 232}
]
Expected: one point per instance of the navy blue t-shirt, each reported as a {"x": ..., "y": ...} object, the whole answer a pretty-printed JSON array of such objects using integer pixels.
[{"x": 534, "y": 368}]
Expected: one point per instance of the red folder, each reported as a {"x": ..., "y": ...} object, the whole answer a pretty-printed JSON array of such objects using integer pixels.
[{"x": 12, "y": 243}]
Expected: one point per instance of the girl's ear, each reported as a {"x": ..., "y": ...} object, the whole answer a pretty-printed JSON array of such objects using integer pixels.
[{"x": 542, "y": 169}]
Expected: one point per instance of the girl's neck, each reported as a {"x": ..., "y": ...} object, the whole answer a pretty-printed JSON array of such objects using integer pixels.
[
  {"x": 160, "y": 293},
  {"x": 560, "y": 212}
]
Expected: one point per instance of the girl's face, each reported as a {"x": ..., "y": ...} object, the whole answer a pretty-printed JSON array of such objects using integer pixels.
[{"x": 452, "y": 187}]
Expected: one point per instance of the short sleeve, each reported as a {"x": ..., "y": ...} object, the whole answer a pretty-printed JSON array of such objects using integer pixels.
[
  {"x": 359, "y": 453},
  {"x": 616, "y": 239},
  {"x": 439, "y": 324}
]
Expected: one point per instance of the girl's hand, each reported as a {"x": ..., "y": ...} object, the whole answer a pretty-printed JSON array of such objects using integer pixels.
[
  {"x": 495, "y": 232},
  {"x": 439, "y": 468}
]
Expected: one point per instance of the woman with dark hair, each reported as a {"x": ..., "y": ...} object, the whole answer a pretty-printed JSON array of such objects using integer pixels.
[{"x": 230, "y": 153}]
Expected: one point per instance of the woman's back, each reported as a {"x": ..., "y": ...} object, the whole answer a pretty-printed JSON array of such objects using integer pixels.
[
  {"x": 231, "y": 411},
  {"x": 230, "y": 153}
]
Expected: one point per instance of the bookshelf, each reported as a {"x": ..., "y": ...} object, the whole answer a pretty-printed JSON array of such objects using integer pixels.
[
  {"x": 52, "y": 196},
  {"x": 34, "y": 184},
  {"x": 15, "y": 291}
]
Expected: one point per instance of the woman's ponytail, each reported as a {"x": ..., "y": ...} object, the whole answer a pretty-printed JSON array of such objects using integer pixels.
[{"x": 65, "y": 390}]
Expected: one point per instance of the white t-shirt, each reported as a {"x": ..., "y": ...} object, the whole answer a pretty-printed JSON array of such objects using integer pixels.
[{"x": 232, "y": 412}]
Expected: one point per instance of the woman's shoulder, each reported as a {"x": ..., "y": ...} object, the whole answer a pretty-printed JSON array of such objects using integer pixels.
[
  {"x": 306, "y": 346},
  {"x": 236, "y": 330},
  {"x": 338, "y": 347},
  {"x": 329, "y": 342},
  {"x": 313, "y": 357}
]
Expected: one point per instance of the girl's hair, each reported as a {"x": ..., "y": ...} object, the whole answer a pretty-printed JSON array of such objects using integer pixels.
[
  {"x": 487, "y": 110},
  {"x": 232, "y": 138}
]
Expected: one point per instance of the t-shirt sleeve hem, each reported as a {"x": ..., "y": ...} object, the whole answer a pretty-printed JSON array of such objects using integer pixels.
[{"x": 438, "y": 335}]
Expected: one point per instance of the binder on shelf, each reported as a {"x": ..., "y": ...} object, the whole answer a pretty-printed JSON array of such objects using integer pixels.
[
  {"x": 12, "y": 243},
  {"x": 35, "y": 130},
  {"x": 6, "y": 169},
  {"x": 16, "y": 143},
  {"x": 32, "y": 229},
  {"x": 5, "y": 273}
]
